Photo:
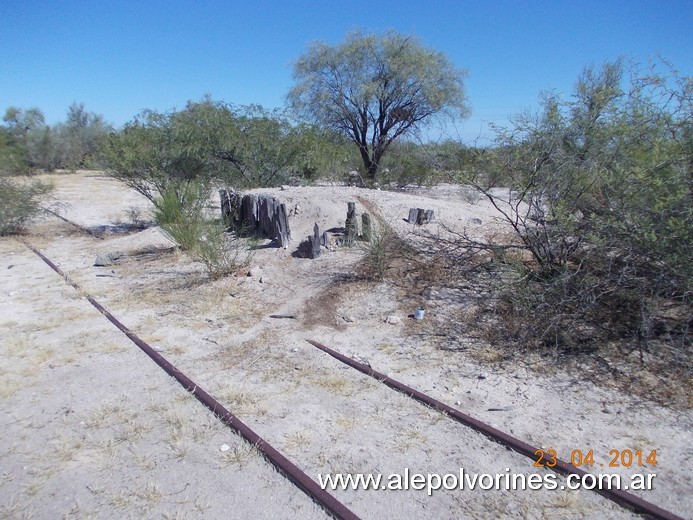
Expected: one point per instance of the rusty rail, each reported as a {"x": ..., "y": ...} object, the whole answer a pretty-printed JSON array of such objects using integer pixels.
[
  {"x": 621, "y": 497},
  {"x": 276, "y": 458}
]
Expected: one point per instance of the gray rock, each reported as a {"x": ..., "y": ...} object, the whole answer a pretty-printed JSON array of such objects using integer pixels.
[{"x": 106, "y": 259}]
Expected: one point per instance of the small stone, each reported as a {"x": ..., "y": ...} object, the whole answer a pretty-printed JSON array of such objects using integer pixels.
[
  {"x": 349, "y": 319},
  {"x": 264, "y": 279},
  {"x": 254, "y": 271},
  {"x": 475, "y": 221},
  {"x": 106, "y": 259},
  {"x": 225, "y": 447},
  {"x": 393, "y": 320}
]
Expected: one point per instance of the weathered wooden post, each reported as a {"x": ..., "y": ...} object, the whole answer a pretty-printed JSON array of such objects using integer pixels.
[
  {"x": 263, "y": 216},
  {"x": 230, "y": 206},
  {"x": 225, "y": 204},
  {"x": 310, "y": 247},
  {"x": 350, "y": 224},
  {"x": 419, "y": 216},
  {"x": 281, "y": 225},
  {"x": 366, "y": 228}
]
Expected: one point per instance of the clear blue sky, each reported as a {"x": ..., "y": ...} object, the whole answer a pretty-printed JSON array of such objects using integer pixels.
[{"x": 119, "y": 57}]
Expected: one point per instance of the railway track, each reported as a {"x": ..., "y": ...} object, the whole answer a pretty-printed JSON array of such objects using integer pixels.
[{"x": 303, "y": 481}]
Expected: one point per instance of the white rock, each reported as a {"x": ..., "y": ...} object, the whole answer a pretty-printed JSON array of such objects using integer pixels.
[
  {"x": 225, "y": 447},
  {"x": 393, "y": 320}
]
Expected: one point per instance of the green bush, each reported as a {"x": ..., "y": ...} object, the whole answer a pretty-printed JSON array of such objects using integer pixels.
[
  {"x": 20, "y": 204},
  {"x": 599, "y": 199},
  {"x": 379, "y": 244},
  {"x": 180, "y": 213}
]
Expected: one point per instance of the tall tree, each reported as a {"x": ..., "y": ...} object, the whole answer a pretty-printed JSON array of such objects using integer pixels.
[
  {"x": 83, "y": 135},
  {"x": 20, "y": 130},
  {"x": 374, "y": 89}
]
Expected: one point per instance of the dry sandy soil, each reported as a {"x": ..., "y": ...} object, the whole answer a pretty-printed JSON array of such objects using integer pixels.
[{"x": 91, "y": 428}]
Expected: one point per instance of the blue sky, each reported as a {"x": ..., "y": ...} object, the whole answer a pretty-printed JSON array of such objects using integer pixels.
[{"x": 119, "y": 57}]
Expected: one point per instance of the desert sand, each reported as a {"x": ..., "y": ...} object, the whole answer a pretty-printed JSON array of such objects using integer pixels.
[{"x": 92, "y": 428}]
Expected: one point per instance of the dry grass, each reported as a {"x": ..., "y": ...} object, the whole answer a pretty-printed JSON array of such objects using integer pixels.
[
  {"x": 335, "y": 384},
  {"x": 410, "y": 439},
  {"x": 76, "y": 511},
  {"x": 143, "y": 461},
  {"x": 16, "y": 347},
  {"x": 297, "y": 441},
  {"x": 348, "y": 423},
  {"x": 386, "y": 348},
  {"x": 240, "y": 401},
  {"x": 178, "y": 449},
  {"x": 8, "y": 385},
  {"x": 16, "y": 509},
  {"x": 120, "y": 500},
  {"x": 34, "y": 487},
  {"x": 67, "y": 448},
  {"x": 151, "y": 494},
  {"x": 487, "y": 354},
  {"x": 103, "y": 414},
  {"x": 109, "y": 448},
  {"x": 240, "y": 454},
  {"x": 564, "y": 500}
]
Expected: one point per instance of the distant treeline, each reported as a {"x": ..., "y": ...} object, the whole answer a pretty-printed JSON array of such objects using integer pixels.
[
  {"x": 246, "y": 146},
  {"x": 28, "y": 144}
]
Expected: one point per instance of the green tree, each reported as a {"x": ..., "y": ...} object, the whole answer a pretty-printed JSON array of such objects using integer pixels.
[
  {"x": 149, "y": 157},
  {"x": 207, "y": 142},
  {"x": 81, "y": 138},
  {"x": 374, "y": 89},
  {"x": 600, "y": 194},
  {"x": 19, "y": 140}
]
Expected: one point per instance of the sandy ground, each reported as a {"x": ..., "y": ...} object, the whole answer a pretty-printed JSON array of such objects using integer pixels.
[{"x": 91, "y": 428}]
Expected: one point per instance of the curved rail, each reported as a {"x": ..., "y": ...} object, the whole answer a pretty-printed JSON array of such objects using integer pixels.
[
  {"x": 619, "y": 496},
  {"x": 284, "y": 465}
]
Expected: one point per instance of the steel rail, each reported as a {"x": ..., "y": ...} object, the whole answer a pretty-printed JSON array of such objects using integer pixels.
[
  {"x": 81, "y": 228},
  {"x": 619, "y": 496},
  {"x": 276, "y": 458}
]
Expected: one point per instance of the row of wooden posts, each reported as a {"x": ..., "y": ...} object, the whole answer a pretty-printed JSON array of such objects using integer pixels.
[{"x": 265, "y": 217}]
